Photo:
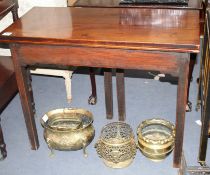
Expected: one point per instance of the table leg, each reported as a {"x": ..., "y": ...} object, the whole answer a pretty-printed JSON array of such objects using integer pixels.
[
  {"x": 191, "y": 67},
  {"x": 108, "y": 93},
  {"x": 29, "y": 80},
  {"x": 180, "y": 111},
  {"x": 93, "y": 97},
  {"x": 26, "y": 97},
  {"x": 15, "y": 13},
  {"x": 198, "y": 100},
  {"x": 121, "y": 94},
  {"x": 200, "y": 78}
]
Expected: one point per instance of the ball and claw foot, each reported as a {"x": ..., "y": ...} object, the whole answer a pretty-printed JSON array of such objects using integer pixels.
[
  {"x": 92, "y": 100},
  {"x": 188, "y": 106},
  {"x": 198, "y": 106},
  {"x": 202, "y": 163},
  {"x": 3, "y": 151}
]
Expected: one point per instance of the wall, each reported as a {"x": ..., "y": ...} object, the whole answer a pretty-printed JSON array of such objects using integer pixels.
[{"x": 24, "y": 6}]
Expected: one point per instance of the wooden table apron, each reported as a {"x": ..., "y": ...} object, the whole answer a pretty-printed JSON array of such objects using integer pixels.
[{"x": 25, "y": 55}]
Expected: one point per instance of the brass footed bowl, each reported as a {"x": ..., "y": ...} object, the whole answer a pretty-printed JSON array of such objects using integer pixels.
[
  {"x": 156, "y": 138},
  {"x": 116, "y": 145},
  {"x": 68, "y": 129}
]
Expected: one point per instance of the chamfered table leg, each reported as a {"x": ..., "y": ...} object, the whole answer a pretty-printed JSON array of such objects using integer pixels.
[
  {"x": 180, "y": 111},
  {"x": 108, "y": 93},
  {"x": 120, "y": 93},
  {"x": 29, "y": 80},
  {"x": 25, "y": 92}
]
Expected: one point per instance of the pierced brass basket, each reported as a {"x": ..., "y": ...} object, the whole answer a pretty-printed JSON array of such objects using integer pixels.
[
  {"x": 116, "y": 145},
  {"x": 68, "y": 129},
  {"x": 156, "y": 138}
]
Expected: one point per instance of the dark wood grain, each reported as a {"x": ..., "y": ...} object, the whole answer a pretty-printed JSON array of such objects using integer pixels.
[
  {"x": 108, "y": 93},
  {"x": 120, "y": 81},
  {"x": 180, "y": 113},
  {"x": 24, "y": 87},
  {"x": 98, "y": 57},
  {"x": 164, "y": 29}
]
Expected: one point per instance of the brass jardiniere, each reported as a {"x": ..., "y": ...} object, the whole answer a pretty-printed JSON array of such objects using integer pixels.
[
  {"x": 68, "y": 129},
  {"x": 116, "y": 145},
  {"x": 156, "y": 138}
]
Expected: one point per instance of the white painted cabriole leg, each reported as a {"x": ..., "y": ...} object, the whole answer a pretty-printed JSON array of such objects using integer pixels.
[
  {"x": 66, "y": 74},
  {"x": 71, "y": 2},
  {"x": 68, "y": 77}
]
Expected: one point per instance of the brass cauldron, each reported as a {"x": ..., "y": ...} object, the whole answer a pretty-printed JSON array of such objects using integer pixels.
[
  {"x": 156, "y": 138},
  {"x": 68, "y": 129},
  {"x": 116, "y": 145}
]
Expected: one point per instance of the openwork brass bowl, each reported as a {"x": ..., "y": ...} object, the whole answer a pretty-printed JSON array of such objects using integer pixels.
[
  {"x": 156, "y": 138},
  {"x": 68, "y": 129},
  {"x": 116, "y": 145}
]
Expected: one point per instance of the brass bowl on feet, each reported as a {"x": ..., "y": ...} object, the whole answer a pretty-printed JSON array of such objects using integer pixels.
[{"x": 68, "y": 129}]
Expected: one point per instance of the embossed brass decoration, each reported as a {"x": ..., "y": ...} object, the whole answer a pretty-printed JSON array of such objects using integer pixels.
[
  {"x": 156, "y": 138},
  {"x": 116, "y": 145},
  {"x": 68, "y": 129}
]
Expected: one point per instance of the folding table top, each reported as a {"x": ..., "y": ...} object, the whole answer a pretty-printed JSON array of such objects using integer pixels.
[{"x": 130, "y": 28}]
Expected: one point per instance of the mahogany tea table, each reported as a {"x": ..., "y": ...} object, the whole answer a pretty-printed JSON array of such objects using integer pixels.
[{"x": 116, "y": 38}]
